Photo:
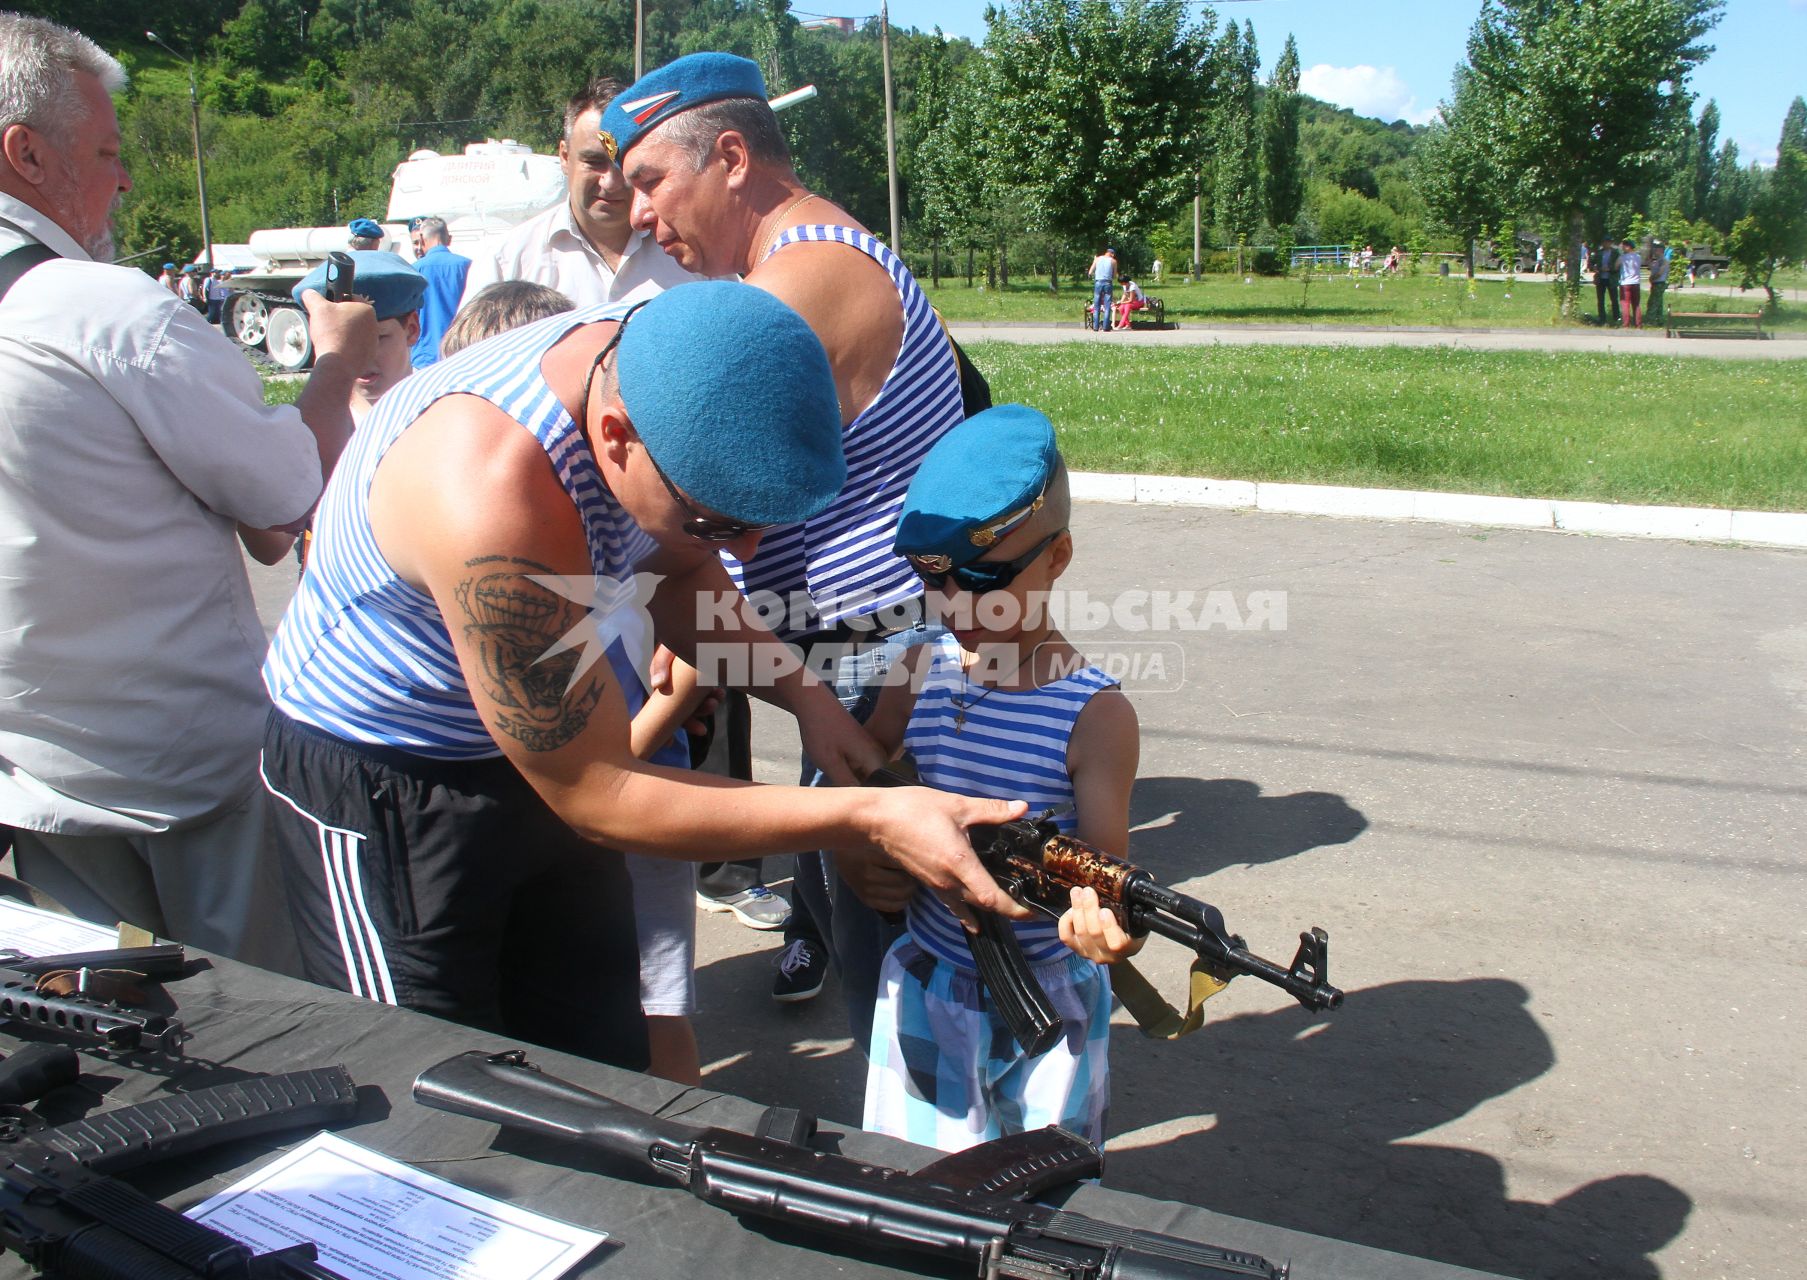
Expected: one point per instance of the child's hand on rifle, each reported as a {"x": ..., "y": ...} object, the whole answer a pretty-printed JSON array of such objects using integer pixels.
[{"x": 1094, "y": 932}]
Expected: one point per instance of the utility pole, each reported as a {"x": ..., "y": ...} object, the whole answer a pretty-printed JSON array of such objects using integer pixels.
[
  {"x": 639, "y": 39},
  {"x": 194, "y": 111},
  {"x": 884, "y": 39},
  {"x": 1198, "y": 245}
]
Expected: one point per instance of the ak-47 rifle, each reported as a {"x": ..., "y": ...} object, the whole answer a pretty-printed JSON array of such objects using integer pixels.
[
  {"x": 1039, "y": 867},
  {"x": 968, "y": 1207},
  {"x": 62, "y": 1212}
]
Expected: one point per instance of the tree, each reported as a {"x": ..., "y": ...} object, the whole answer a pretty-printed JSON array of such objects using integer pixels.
[
  {"x": 1282, "y": 178},
  {"x": 1794, "y": 127},
  {"x": 1733, "y": 188},
  {"x": 1582, "y": 96},
  {"x": 1706, "y": 149},
  {"x": 1775, "y": 230},
  {"x": 1093, "y": 155},
  {"x": 1235, "y": 183},
  {"x": 1454, "y": 167}
]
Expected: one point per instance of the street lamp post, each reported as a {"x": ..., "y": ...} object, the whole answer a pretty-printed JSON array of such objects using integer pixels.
[{"x": 194, "y": 109}]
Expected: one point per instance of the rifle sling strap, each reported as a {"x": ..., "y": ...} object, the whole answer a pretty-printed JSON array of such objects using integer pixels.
[
  {"x": 19, "y": 261},
  {"x": 1158, "y": 1019}
]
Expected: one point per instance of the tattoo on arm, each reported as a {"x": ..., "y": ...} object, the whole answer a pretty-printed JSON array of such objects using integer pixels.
[{"x": 511, "y": 621}]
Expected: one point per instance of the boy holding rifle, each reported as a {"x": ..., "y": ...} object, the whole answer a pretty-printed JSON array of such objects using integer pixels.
[{"x": 1005, "y": 707}]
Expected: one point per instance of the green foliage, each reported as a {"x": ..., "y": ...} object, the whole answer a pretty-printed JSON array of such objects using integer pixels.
[
  {"x": 1235, "y": 189},
  {"x": 1583, "y": 94},
  {"x": 1085, "y": 110},
  {"x": 1282, "y": 176},
  {"x": 1774, "y": 233},
  {"x": 1349, "y": 217}
]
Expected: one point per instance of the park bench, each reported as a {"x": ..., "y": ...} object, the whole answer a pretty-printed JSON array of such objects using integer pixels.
[
  {"x": 1153, "y": 316},
  {"x": 1748, "y": 324}
]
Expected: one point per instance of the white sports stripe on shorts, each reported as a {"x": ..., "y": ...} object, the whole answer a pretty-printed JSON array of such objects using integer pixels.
[{"x": 944, "y": 1071}]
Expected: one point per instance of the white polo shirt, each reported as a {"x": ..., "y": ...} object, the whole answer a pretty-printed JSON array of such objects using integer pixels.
[
  {"x": 133, "y": 440},
  {"x": 548, "y": 249}
]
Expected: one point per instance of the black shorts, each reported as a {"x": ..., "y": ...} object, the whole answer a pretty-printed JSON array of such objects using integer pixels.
[{"x": 450, "y": 887}]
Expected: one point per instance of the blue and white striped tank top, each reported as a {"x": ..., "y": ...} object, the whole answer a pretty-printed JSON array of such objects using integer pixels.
[
  {"x": 1013, "y": 746},
  {"x": 842, "y": 556},
  {"x": 363, "y": 655}
]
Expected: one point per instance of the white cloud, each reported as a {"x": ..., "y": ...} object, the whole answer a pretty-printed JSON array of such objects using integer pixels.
[
  {"x": 1367, "y": 91},
  {"x": 1759, "y": 151}
]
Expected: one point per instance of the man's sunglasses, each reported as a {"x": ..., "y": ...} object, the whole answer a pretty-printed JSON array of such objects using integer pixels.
[
  {"x": 979, "y": 576},
  {"x": 702, "y": 527}
]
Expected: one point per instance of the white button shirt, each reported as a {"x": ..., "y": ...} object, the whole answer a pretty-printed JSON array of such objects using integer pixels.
[
  {"x": 548, "y": 249},
  {"x": 134, "y": 439}
]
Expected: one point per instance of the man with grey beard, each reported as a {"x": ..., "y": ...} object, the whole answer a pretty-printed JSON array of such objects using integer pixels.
[{"x": 136, "y": 455}]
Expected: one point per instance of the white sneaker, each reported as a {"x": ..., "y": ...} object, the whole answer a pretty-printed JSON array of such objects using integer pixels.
[{"x": 757, "y": 907}]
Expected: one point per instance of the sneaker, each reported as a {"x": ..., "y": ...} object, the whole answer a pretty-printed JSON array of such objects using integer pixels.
[
  {"x": 757, "y": 907},
  {"x": 802, "y": 969}
]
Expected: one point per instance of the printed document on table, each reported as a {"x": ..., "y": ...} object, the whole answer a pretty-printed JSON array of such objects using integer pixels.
[
  {"x": 376, "y": 1219},
  {"x": 32, "y": 931}
]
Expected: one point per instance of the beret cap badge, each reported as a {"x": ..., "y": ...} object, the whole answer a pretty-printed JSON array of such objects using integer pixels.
[
  {"x": 609, "y": 145},
  {"x": 988, "y": 534}
]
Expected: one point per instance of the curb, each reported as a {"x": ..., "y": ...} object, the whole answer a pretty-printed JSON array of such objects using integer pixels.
[{"x": 1686, "y": 524}]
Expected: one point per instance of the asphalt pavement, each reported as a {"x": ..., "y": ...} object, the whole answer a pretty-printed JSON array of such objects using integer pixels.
[{"x": 1545, "y": 792}]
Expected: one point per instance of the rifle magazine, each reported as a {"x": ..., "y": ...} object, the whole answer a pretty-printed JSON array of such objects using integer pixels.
[{"x": 127, "y": 1137}]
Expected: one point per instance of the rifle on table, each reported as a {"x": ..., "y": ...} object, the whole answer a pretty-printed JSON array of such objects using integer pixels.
[
  {"x": 969, "y": 1206},
  {"x": 1039, "y": 867},
  {"x": 63, "y": 1214},
  {"x": 75, "y": 995}
]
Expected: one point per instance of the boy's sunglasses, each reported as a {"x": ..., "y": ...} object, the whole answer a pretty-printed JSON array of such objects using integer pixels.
[
  {"x": 696, "y": 525},
  {"x": 980, "y": 575}
]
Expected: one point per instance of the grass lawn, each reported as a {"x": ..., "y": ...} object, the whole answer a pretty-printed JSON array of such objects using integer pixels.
[
  {"x": 1644, "y": 429},
  {"x": 1600, "y": 428},
  {"x": 1427, "y": 300}
]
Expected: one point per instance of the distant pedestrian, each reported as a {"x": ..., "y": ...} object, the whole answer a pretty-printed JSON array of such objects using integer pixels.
[
  {"x": 1104, "y": 280},
  {"x": 364, "y": 233},
  {"x": 1539, "y": 266},
  {"x": 1606, "y": 281},
  {"x": 445, "y": 273},
  {"x": 1659, "y": 281},
  {"x": 217, "y": 291},
  {"x": 168, "y": 278},
  {"x": 1631, "y": 282}
]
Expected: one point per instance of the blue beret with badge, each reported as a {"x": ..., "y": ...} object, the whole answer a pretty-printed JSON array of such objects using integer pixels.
[
  {"x": 365, "y": 227},
  {"x": 689, "y": 82},
  {"x": 393, "y": 286},
  {"x": 731, "y": 393},
  {"x": 980, "y": 481}
]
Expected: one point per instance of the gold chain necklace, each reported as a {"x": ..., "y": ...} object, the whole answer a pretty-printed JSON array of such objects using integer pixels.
[{"x": 765, "y": 246}]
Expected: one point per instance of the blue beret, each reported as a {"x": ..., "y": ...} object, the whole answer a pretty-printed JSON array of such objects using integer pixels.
[
  {"x": 732, "y": 395},
  {"x": 980, "y": 481},
  {"x": 677, "y": 86},
  {"x": 169, "y": 266},
  {"x": 365, "y": 227},
  {"x": 394, "y": 287}
]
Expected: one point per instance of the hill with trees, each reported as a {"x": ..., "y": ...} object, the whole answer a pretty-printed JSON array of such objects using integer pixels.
[{"x": 1013, "y": 155}]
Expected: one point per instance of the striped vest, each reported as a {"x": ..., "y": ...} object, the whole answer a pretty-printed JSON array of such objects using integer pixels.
[
  {"x": 842, "y": 556},
  {"x": 366, "y": 657},
  {"x": 1012, "y": 746}
]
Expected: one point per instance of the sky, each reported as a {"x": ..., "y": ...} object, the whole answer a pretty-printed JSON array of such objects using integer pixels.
[{"x": 1392, "y": 59}]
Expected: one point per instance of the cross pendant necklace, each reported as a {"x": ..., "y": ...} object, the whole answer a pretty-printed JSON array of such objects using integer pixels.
[{"x": 962, "y": 705}]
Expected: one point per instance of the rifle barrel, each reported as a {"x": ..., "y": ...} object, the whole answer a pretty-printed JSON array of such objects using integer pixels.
[{"x": 1198, "y": 926}]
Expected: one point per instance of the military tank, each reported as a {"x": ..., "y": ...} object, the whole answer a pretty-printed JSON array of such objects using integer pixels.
[{"x": 482, "y": 195}]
